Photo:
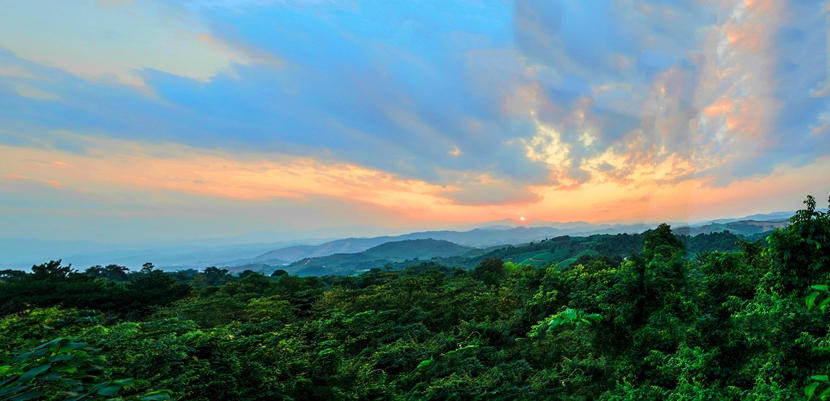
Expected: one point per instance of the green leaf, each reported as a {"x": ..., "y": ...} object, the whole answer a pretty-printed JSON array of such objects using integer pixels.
[
  {"x": 821, "y": 378},
  {"x": 594, "y": 316},
  {"x": 109, "y": 391},
  {"x": 65, "y": 369},
  {"x": 29, "y": 355},
  {"x": 811, "y": 299},
  {"x": 820, "y": 287},
  {"x": 52, "y": 376},
  {"x": 61, "y": 358},
  {"x": 27, "y": 396},
  {"x": 124, "y": 382},
  {"x": 156, "y": 397},
  {"x": 29, "y": 375},
  {"x": 569, "y": 314},
  {"x": 811, "y": 389},
  {"x": 11, "y": 390},
  {"x": 50, "y": 343},
  {"x": 424, "y": 363},
  {"x": 823, "y": 305},
  {"x": 72, "y": 346}
]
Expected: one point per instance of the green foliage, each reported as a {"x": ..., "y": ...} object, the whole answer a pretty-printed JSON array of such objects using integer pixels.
[
  {"x": 686, "y": 319},
  {"x": 490, "y": 271},
  {"x": 65, "y": 369},
  {"x": 803, "y": 248}
]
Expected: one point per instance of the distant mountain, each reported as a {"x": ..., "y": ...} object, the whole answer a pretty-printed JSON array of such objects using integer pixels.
[
  {"x": 479, "y": 238},
  {"x": 378, "y": 256},
  {"x": 270, "y": 248},
  {"x": 23, "y": 253},
  {"x": 416, "y": 249},
  {"x": 743, "y": 227},
  {"x": 561, "y": 251}
]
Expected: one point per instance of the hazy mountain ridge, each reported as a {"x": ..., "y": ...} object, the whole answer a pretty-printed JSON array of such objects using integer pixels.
[
  {"x": 230, "y": 252},
  {"x": 744, "y": 227},
  {"x": 562, "y": 250},
  {"x": 386, "y": 253}
]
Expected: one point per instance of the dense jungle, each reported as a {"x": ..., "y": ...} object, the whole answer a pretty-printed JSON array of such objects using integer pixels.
[{"x": 663, "y": 322}]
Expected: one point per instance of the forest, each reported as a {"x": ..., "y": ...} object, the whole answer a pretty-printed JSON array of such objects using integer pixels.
[{"x": 652, "y": 316}]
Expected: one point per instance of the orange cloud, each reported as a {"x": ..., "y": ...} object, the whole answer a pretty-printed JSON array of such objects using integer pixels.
[
  {"x": 650, "y": 192},
  {"x": 51, "y": 183}
]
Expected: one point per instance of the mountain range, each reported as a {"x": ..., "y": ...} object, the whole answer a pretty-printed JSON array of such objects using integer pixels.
[{"x": 268, "y": 249}]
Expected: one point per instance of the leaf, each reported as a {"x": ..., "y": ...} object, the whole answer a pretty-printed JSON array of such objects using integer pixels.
[
  {"x": 52, "y": 376},
  {"x": 811, "y": 299},
  {"x": 11, "y": 390},
  {"x": 29, "y": 375},
  {"x": 49, "y": 344},
  {"x": 569, "y": 314},
  {"x": 29, "y": 355},
  {"x": 823, "y": 305},
  {"x": 61, "y": 358},
  {"x": 156, "y": 397},
  {"x": 821, "y": 378},
  {"x": 72, "y": 346},
  {"x": 424, "y": 363},
  {"x": 65, "y": 369},
  {"x": 109, "y": 391},
  {"x": 811, "y": 389},
  {"x": 124, "y": 382},
  {"x": 820, "y": 287},
  {"x": 27, "y": 396}
]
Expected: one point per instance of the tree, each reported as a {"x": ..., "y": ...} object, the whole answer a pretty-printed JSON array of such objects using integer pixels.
[
  {"x": 490, "y": 271},
  {"x": 147, "y": 268},
  {"x": 117, "y": 273},
  {"x": 154, "y": 290},
  {"x": 52, "y": 270},
  {"x": 802, "y": 249},
  {"x": 661, "y": 241},
  {"x": 10, "y": 274}
]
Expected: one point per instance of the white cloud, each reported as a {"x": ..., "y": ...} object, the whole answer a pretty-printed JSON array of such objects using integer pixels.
[{"x": 106, "y": 41}]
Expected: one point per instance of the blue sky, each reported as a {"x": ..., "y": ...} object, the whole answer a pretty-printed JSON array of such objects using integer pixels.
[{"x": 138, "y": 119}]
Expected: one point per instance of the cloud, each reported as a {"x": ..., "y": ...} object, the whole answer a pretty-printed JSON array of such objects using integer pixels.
[
  {"x": 467, "y": 110},
  {"x": 704, "y": 90},
  {"x": 112, "y": 43},
  {"x": 51, "y": 183},
  {"x": 35, "y": 93}
]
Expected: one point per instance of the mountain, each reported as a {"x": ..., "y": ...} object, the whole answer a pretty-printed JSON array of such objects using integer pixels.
[
  {"x": 479, "y": 238},
  {"x": 416, "y": 249},
  {"x": 378, "y": 256},
  {"x": 271, "y": 248},
  {"x": 23, "y": 253},
  {"x": 562, "y": 251},
  {"x": 743, "y": 227}
]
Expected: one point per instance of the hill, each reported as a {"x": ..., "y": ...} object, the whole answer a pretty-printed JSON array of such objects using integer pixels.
[
  {"x": 378, "y": 256},
  {"x": 743, "y": 227},
  {"x": 563, "y": 251}
]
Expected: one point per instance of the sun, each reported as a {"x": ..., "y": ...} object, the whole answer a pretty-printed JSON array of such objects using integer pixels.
[{"x": 522, "y": 218}]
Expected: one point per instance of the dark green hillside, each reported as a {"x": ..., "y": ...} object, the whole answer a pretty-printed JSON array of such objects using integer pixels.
[
  {"x": 389, "y": 253},
  {"x": 418, "y": 248},
  {"x": 566, "y": 250}
]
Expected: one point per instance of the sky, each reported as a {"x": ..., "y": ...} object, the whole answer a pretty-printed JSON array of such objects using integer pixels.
[{"x": 132, "y": 120}]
